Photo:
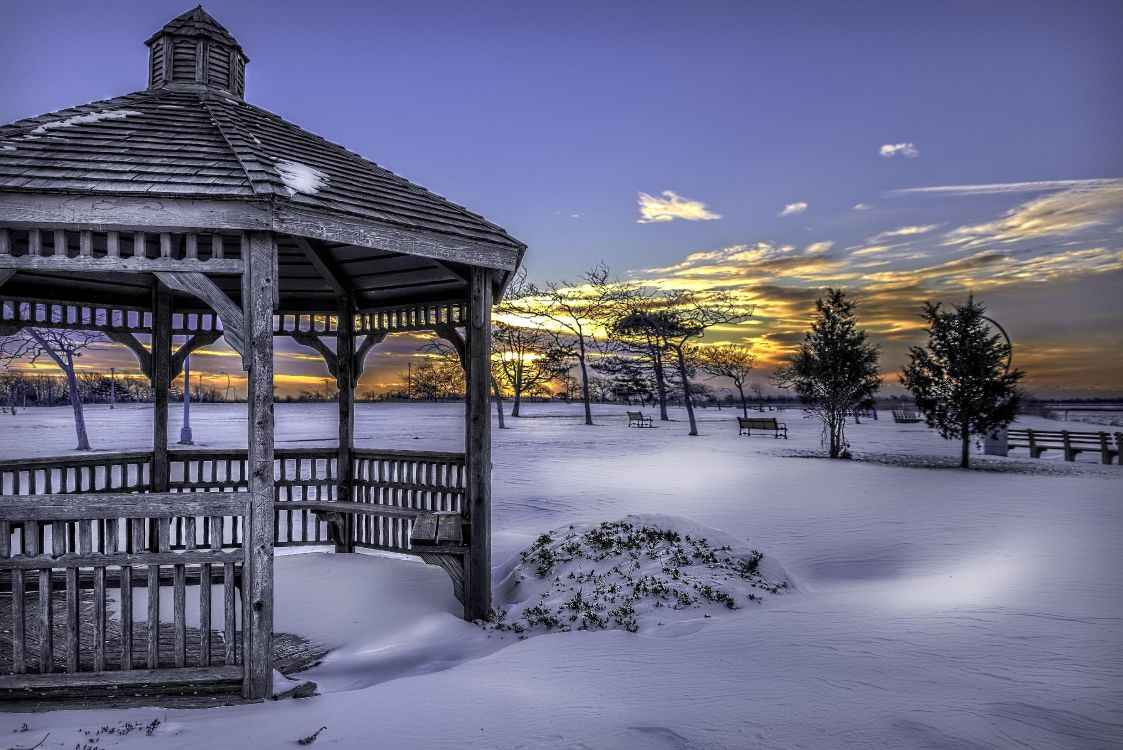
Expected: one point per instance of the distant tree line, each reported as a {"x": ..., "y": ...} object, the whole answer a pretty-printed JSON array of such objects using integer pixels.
[{"x": 602, "y": 339}]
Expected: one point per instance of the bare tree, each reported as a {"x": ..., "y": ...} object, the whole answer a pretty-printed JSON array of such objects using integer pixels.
[
  {"x": 12, "y": 386},
  {"x": 580, "y": 311},
  {"x": 758, "y": 390},
  {"x": 682, "y": 317},
  {"x": 647, "y": 344},
  {"x": 527, "y": 358},
  {"x": 452, "y": 353},
  {"x": 61, "y": 347},
  {"x": 733, "y": 361}
]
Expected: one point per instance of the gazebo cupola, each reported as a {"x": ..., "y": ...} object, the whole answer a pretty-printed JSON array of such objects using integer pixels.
[
  {"x": 167, "y": 218},
  {"x": 195, "y": 50}
]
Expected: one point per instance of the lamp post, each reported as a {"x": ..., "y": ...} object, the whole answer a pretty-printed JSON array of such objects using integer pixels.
[
  {"x": 185, "y": 432},
  {"x": 409, "y": 381},
  {"x": 226, "y": 397},
  {"x": 112, "y": 387},
  {"x": 1009, "y": 343}
]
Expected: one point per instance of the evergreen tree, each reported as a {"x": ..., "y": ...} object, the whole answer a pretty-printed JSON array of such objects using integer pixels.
[
  {"x": 961, "y": 379},
  {"x": 835, "y": 368}
]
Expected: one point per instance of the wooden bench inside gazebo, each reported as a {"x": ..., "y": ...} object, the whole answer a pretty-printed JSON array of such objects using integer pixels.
[{"x": 165, "y": 219}]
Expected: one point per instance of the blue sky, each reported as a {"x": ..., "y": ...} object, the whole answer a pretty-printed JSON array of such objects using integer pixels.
[{"x": 553, "y": 118}]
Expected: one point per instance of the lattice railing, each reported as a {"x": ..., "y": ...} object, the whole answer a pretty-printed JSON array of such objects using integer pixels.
[
  {"x": 416, "y": 317},
  {"x": 216, "y": 252}
]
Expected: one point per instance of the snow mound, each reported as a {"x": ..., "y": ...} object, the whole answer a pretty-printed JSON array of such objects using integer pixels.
[
  {"x": 301, "y": 178},
  {"x": 634, "y": 574}
]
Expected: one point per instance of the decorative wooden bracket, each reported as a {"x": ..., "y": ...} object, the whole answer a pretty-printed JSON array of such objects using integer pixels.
[
  {"x": 450, "y": 334},
  {"x": 200, "y": 286},
  {"x": 5, "y": 274},
  {"x": 144, "y": 357},
  {"x": 198, "y": 341},
  {"x": 369, "y": 342},
  {"x": 313, "y": 341},
  {"x": 451, "y": 564}
]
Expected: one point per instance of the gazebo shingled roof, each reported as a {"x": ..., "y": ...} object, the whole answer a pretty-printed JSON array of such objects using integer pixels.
[
  {"x": 190, "y": 136},
  {"x": 183, "y": 211}
]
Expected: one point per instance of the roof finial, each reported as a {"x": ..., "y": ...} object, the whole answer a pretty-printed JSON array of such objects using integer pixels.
[{"x": 194, "y": 50}]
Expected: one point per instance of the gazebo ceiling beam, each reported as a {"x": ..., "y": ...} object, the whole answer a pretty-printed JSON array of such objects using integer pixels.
[
  {"x": 232, "y": 317},
  {"x": 328, "y": 269},
  {"x": 5, "y": 274},
  {"x": 444, "y": 265}
]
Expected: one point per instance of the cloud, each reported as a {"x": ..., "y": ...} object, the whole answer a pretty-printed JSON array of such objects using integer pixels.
[
  {"x": 1066, "y": 212},
  {"x": 670, "y": 207},
  {"x": 872, "y": 250},
  {"x": 889, "y": 150},
  {"x": 791, "y": 209},
  {"x": 861, "y": 207},
  {"x": 1009, "y": 187},
  {"x": 903, "y": 232},
  {"x": 818, "y": 248}
]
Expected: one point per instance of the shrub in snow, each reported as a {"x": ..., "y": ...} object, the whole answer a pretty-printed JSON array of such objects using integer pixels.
[{"x": 631, "y": 574}]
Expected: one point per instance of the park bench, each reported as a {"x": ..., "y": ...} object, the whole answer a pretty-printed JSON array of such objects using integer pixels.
[
  {"x": 766, "y": 424},
  {"x": 637, "y": 419},
  {"x": 1072, "y": 443},
  {"x": 906, "y": 417}
]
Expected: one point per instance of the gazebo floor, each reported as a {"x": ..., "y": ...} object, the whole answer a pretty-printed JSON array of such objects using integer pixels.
[{"x": 291, "y": 654}]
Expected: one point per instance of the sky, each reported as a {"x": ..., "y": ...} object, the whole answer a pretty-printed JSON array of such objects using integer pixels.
[{"x": 903, "y": 151}]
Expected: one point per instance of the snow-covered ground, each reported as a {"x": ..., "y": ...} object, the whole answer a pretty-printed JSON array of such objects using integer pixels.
[{"x": 929, "y": 608}]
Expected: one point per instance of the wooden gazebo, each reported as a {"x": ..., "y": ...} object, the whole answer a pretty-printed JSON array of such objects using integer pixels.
[{"x": 182, "y": 211}]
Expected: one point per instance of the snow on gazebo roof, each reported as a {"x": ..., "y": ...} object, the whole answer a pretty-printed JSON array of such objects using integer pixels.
[{"x": 190, "y": 135}]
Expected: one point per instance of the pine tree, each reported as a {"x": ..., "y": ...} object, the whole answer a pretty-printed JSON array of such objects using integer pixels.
[
  {"x": 961, "y": 380},
  {"x": 835, "y": 368}
]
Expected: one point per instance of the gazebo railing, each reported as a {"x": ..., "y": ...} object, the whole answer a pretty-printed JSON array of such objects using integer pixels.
[
  {"x": 62, "y": 554},
  {"x": 95, "y": 472},
  {"x": 402, "y": 480},
  {"x": 421, "y": 481}
]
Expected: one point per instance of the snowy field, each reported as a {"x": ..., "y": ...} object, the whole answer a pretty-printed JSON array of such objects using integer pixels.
[{"x": 929, "y": 607}]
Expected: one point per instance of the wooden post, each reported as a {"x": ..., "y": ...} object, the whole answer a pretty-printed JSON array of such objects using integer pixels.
[
  {"x": 161, "y": 382},
  {"x": 257, "y": 586},
  {"x": 345, "y": 381},
  {"x": 477, "y": 446}
]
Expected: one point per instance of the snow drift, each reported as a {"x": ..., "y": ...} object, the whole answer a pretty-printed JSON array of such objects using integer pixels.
[{"x": 638, "y": 573}]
